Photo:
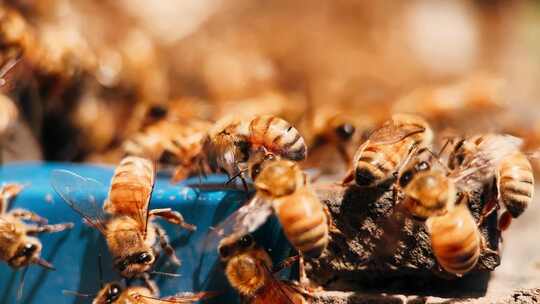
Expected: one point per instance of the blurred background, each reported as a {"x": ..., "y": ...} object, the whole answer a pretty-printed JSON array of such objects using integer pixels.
[{"x": 88, "y": 75}]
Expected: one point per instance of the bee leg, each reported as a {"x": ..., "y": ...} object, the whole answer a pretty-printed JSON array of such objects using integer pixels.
[
  {"x": 302, "y": 277},
  {"x": 49, "y": 228},
  {"x": 7, "y": 193},
  {"x": 28, "y": 216},
  {"x": 485, "y": 247},
  {"x": 504, "y": 223},
  {"x": 150, "y": 284},
  {"x": 491, "y": 206},
  {"x": 348, "y": 178},
  {"x": 286, "y": 263},
  {"x": 173, "y": 217},
  {"x": 166, "y": 246}
]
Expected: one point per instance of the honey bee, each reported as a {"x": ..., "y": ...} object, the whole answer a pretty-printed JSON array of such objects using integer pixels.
[
  {"x": 516, "y": 186},
  {"x": 514, "y": 180},
  {"x": 19, "y": 246},
  {"x": 231, "y": 142},
  {"x": 455, "y": 239},
  {"x": 431, "y": 188},
  {"x": 127, "y": 225},
  {"x": 249, "y": 271},
  {"x": 387, "y": 148},
  {"x": 282, "y": 188},
  {"x": 16, "y": 37},
  {"x": 114, "y": 293},
  {"x": 170, "y": 142}
]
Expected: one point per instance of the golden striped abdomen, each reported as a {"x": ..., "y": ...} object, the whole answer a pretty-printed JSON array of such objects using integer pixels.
[
  {"x": 376, "y": 163},
  {"x": 131, "y": 187},
  {"x": 278, "y": 136},
  {"x": 455, "y": 240},
  {"x": 516, "y": 183},
  {"x": 304, "y": 221}
]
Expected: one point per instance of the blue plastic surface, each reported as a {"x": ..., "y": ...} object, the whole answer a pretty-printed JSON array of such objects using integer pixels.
[{"x": 74, "y": 253}]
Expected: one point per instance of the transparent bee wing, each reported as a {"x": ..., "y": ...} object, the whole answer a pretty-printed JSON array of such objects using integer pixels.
[
  {"x": 80, "y": 194},
  {"x": 243, "y": 221},
  {"x": 183, "y": 297},
  {"x": 481, "y": 166},
  {"x": 275, "y": 291},
  {"x": 391, "y": 133}
]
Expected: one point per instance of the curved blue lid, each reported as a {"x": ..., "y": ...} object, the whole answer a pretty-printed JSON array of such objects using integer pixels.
[{"x": 75, "y": 253}]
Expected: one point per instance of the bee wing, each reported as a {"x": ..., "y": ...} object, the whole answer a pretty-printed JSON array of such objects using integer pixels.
[
  {"x": 80, "y": 194},
  {"x": 276, "y": 291},
  {"x": 243, "y": 221},
  {"x": 184, "y": 297},
  {"x": 481, "y": 166},
  {"x": 391, "y": 133}
]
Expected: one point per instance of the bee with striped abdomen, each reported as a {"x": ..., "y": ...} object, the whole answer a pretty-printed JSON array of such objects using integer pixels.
[
  {"x": 387, "y": 148},
  {"x": 249, "y": 270},
  {"x": 455, "y": 239},
  {"x": 231, "y": 142},
  {"x": 128, "y": 225}
]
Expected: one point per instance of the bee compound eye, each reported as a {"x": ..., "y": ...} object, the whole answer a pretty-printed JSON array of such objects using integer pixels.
[
  {"x": 144, "y": 258},
  {"x": 405, "y": 178},
  {"x": 224, "y": 251},
  {"x": 246, "y": 241},
  {"x": 114, "y": 292},
  {"x": 122, "y": 265},
  {"x": 28, "y": 249},
  {"x": 345, "y": 131}
]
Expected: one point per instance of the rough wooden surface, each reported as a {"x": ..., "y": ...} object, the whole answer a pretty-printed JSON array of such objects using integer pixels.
[{"x": 377, "y": 250}]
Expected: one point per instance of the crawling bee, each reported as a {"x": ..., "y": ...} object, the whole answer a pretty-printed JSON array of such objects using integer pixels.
[
  {"x": 170, "y": 142},
  {"x": 514, "y": 180},
  {"x": 18, "y": 245},
  {"x": 431, "y": 188},
  {"x": 282, "y": 188},
  {"x": 386, "y": 149},
  {"x": 332, "y": 128},
  {"x": 455, "y": 239},
  {"x": 114, "y": 293},
  {"x": 231, "y": 142},
  {"x": 128, "y": 226},
  {"x": 16, "y": 37},
  {"x": 249, "y": 271},
  {"x": 516, "y": 186}
]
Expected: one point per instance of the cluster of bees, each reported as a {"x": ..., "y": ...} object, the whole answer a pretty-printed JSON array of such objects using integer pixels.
[
  {"x": 265, "y": 152},
  {"x": 264, "y": 145}
]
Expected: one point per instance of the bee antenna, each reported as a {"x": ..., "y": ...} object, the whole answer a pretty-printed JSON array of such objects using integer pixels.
[
  {"x": 76, "y": 294},
  {"x": 6, "y": 68},
  {"x": 21, "y": 284},
  {"x": 234, "y": 177},
  {"x": 174, "y": 275},
  {"x": 150, "y": 199},
  {"x": 41, "y": 262}
]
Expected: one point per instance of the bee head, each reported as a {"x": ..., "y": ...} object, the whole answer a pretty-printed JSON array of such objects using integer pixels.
[
  {"x": 136, "y": 263},
  {"x": 429, "y": 194},
  {"x": 279, "y": 178},
  {"x": 246, "y": 262},
  {"x": 259, "y": 162},
  {"x": 345, "y": 131},
  {"x": 230, "y": 247},
  {"x": 109, "y": 294},
  {"x": 27, "y": 253}
]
